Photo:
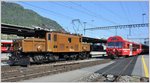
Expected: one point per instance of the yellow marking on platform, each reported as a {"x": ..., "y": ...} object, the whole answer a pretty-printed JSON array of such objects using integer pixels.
[{"x": 145, "y": 67}]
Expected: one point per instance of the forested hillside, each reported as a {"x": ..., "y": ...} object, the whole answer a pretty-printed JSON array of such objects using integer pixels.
[{"x": 13, "y": 13}]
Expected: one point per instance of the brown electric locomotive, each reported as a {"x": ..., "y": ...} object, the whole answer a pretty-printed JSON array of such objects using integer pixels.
[{"x": 49, "y": 46}]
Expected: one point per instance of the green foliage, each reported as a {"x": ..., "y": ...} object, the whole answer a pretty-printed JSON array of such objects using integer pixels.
[{"x": 13, "y": 13}]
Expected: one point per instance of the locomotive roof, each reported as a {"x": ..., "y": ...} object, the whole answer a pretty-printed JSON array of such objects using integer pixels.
[{"x": 66, "y": 33}]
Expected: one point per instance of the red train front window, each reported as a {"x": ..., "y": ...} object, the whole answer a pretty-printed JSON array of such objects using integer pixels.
[
  {"x": 114, "y": 44},
  {"x": 5, "y": 45}
]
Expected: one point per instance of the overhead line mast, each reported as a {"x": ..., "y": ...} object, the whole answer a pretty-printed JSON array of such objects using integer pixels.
[{"x": 120, "y": 26}]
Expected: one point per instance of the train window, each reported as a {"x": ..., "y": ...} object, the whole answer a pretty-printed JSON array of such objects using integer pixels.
[
  {"x": 55, "y": 37},
  {"x": 49, "y": 36},
  {"x": 79, "y": 39},
  {"x": 114, "y": 44},
  {"x": 138, "y": 46},
  {"x": 127, "y": 45},
  {"x": 69, "y": 40},
  {"x": 110, "y": 44},
  {"x": 6, "y": 45},
  {"x": 119, "y": 44},
  {"x": 135, "y": 46}
]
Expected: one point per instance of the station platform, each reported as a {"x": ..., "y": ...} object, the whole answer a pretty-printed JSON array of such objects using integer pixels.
[{"x": 141, "y": 69}]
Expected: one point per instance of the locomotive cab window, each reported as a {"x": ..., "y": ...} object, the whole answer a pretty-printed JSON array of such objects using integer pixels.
[
  {"x": 69, "y": 40},
  {"x": 49, "y": 36},
  {"x": 55, "y": 37}
]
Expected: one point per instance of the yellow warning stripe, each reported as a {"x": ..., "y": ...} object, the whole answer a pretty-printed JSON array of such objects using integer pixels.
[{"x": 145, "y": 67}]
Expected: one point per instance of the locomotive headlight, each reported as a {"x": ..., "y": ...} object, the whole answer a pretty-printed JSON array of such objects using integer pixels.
[{"x": 20, "y": 48}]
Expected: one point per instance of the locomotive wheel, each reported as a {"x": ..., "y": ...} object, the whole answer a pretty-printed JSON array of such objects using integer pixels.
[
  {"x": 37, "y": 59},
  {"x": 88, "y": 55},
  {"x": 82, "y": 56},
  {"x": 24, "y": 61},
  {"x": 66, "y": 57},
  {"x": 56, "y": 58},
  {"x": 13, "y": 61},
  {"x": 34, "y": 59},
  {"x": 76, "y": 57},
  {"x": 50, "y": 58},
  {"x": 72, "y": 57}
]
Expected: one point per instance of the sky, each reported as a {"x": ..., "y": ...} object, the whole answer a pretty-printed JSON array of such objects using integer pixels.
[{"x": 95, "y": 14}]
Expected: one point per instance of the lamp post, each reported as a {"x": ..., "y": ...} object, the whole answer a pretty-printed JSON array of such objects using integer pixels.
[{"x": 143, "y": 16}]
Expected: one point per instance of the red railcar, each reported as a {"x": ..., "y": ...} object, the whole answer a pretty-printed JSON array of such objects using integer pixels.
[
  {"x": 117, "y": 46},
  {"x": 6, "y": 46}
]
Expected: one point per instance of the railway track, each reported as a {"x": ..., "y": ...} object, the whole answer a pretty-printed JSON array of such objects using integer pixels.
[
  {"x": 119, "y": 71},
  {"x": 112, "y": 76},
  {"x": 17, "y": 73},
  {"x": 8, "y": 68}
]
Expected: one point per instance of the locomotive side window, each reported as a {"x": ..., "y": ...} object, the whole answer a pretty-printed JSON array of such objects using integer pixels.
[
  {"x": 69, "y": 40},
  {"x": 49, "y": 36},
  {"x": 79, "y": 39},
  {"x": 55, "y": 37}
]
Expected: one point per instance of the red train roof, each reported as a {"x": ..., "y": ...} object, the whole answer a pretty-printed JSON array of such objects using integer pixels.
[
  {"x": 118, "y": 38},
  {"x": 115, "y": 38},
  {"x": 6, "y": 41}
]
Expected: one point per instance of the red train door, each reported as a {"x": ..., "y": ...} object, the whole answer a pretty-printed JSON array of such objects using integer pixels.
[{"x": 131, "y": 49}]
